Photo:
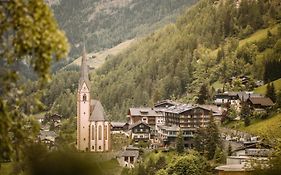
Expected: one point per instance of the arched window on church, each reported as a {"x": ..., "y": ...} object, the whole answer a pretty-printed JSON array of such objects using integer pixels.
[
  {"x": 84, "y": 97},
  {"x": 105, "y": 132},
  {"x": 93, "y": 132},
  {"x": 100, "y": 132}
]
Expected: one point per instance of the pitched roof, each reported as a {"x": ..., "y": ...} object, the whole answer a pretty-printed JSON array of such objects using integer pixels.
[
  {"x": 178, "y": 109},
  {"x": 130, "y": 153},
  {"x": 263, "y": 101},
  {"x": 118, "y": 124},
  {"x": 170, "y": 102},
  {"x": 98, "y": 113},
  {"x": 244, "y": 96},
  {"x": 145, "y": 112},
  {"x": 84, "y": 72},
  {"x": 136, "y": 124}
]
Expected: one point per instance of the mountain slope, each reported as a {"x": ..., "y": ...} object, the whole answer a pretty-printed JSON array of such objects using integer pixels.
[
  {"x": 97, "y": 59},
  {"x": 177, "y": 60},
  {"x": 106, "y": 23}
]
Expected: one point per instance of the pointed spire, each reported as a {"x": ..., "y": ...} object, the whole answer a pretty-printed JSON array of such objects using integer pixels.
[{"x": 84, "y": 76}]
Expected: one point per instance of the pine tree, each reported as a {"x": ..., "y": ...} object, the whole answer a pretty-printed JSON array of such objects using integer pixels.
[
  {"x": 229, "y": 150},
  {"x": 245, "y": 113},
  {"x": 270, "y": 92},
  {"x": 203, "y": 94},
  {"x": 180, "y": 143},
  {"x": 213, "y": 139}
]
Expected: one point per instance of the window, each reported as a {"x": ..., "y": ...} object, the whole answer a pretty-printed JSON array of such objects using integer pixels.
[
  {"x": 99, "y": 147},
  {"x": 84, "y": 97},
  {"x": 105, "y": 132},
  {"x": 93, "y": 147},
  {"x": 100, "y": 132},
  {"x": 93, "y": 132}
]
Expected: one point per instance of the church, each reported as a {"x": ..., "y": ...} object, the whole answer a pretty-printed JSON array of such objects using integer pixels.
[{"x": 93, "y": 128}]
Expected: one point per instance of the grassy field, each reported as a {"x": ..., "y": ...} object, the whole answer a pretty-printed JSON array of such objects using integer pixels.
[
  {"x": 217, "y": 85},
  {"x": 258, "y": 35},
  {"x": 269, "y": 128},
  {"x": 262, "y": 89}
]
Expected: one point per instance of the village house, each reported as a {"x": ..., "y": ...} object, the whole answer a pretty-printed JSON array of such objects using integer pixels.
[
  {"x": 140, "y": 131},
  {"x": 234, "y": 99},
  {"x": 240, "y": 161},
  {"x": 128, "y": 157},
  {"x": 226, "y": 98},
  {"x": 149, "y": 116},
  {"x": 184, "y": 117},
  {"x": 48, "y": 138},
  {"x": 119, "y": 127},
  {"x": 259, "y": 103}
]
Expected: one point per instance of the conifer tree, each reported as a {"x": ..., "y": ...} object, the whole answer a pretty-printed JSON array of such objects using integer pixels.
[
  {"x": 180, "y": 143},
  {"x": 270, "y": 92},
  {"x": 213, "y": 139},
  {"x": 203, "y": 94}
]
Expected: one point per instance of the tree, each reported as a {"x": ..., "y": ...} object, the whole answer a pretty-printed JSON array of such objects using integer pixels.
[
  {"x": 180, "y": 143},
  {"x": 245, "y": 113},
  {"x": 193, "y": 163},
  {"x": 213, "y": 139},
  {"x": 229, "y": 150},
  {"x": 270, "y": 92},
  {"x": 203, "y": 94},
  {"x": 28, "y": 34},
  {"x": 219, "y": 156},
  {"x": 207, "y": 140},
  {"x": 161, "y": 163},
  {"x": 150, "y": 168}
]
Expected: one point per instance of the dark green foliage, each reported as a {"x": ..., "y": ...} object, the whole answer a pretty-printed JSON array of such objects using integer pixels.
[
  {"x": 207, "y": 140},
  {"x": 272, "y": 69},
  {"x": 229, "y": 150},
  {"x": 192, "y": 163},
  {"x": 219, "y": 156},
  {"x": 213, "y": 139},
  {"x": 160, "y": 163},
  {"x": 246, "y": 113},
  {"x": 247, "y": 121},
  {"x": 150, "y": 167},
  {"x": 180, "y": 143},
  {"x": 270, "y": 92},
  {"x": 278, "y": 100},
  {"x": 203, "y": 94}
]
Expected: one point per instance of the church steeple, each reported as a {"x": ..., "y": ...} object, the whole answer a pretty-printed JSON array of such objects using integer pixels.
[{"x": 84, "y": 74}]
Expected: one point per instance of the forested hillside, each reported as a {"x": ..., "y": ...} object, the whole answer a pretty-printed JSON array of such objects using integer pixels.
[
  {"x": 210, "y": 43},
  {"x": 106, "y": 23}
]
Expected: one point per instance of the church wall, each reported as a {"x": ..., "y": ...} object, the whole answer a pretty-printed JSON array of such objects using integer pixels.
[
  {"x": 83, "y": 117},
  {"x": 100, "y": 136}
]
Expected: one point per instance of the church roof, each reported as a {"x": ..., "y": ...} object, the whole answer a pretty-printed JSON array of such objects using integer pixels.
[
  {"x": 84, "y": 74},
  {"x": 98, "y": 113}
]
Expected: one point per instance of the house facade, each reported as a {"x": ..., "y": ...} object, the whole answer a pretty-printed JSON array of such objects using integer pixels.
[{"x": 140, "y": 131}]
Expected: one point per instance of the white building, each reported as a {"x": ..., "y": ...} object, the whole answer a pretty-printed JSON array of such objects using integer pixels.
[{"x": 93, "y": 129}]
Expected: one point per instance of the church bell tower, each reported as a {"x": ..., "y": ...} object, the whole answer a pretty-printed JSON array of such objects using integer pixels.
[{"x": 83, "y": 106}]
